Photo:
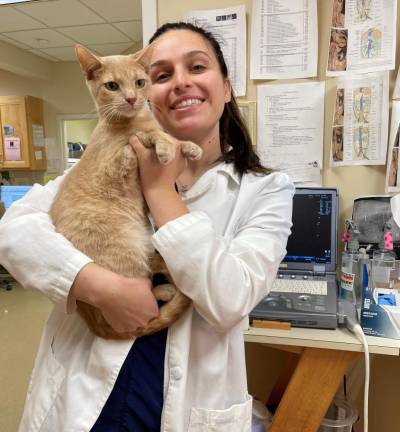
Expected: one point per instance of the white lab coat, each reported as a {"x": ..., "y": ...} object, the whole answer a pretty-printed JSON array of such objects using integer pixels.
[{"x": 224, "y": 255}]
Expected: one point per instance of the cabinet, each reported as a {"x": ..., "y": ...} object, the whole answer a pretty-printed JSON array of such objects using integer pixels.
[{"x": 22, "y": 134}]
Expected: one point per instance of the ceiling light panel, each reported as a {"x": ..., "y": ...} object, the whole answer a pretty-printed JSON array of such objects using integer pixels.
[{"x": 9, "y": 2}]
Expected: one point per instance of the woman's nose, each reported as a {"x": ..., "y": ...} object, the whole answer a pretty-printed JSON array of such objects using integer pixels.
[{"x": 182, "y": 80}]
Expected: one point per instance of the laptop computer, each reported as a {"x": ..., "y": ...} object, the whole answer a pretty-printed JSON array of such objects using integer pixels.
[{"x": 305, "y": 290}]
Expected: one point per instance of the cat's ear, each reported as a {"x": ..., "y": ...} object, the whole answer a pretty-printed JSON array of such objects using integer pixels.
[
  {"x": 143, "y": 56},
  {"x": 88, "y": 61}
]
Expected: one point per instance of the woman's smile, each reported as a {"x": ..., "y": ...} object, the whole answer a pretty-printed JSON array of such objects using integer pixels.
[{"x": 186, "y": 102}]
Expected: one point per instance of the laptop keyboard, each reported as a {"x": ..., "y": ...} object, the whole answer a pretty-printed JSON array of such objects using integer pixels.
[{"x": 317, "y": 287}]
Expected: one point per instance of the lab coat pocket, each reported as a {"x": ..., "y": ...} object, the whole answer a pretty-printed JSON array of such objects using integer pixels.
[
  {"x": 43, "y": 389},
  {"x": 237, "y": 418}
]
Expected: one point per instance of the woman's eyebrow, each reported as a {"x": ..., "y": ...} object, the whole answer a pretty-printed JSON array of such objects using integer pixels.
[{"x": 190, "y": 54}]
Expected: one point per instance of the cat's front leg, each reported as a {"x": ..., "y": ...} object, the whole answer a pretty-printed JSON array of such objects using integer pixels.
[{"x": 163, "y": 144}]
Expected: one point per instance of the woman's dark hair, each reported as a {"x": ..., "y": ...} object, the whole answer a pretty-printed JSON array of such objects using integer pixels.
[{"x": 236, "y": 145}]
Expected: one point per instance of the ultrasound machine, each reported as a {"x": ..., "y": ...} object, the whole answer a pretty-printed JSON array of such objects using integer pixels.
[{"x": 304, "y": 292}]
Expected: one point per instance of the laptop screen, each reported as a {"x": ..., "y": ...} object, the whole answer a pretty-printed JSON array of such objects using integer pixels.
[{"x": 313, "y": 241}]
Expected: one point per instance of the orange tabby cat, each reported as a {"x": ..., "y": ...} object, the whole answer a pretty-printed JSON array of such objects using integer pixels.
[{"x": 100, "y": 207}]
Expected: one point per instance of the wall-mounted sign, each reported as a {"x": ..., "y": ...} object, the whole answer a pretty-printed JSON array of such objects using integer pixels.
[{"x": 12, "y": 148}]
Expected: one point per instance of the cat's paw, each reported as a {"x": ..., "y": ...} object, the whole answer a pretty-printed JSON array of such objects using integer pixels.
[
  {"x": 165, "y": 152},
  {"x": 144, "y": 138},
  {"x": 163, "y": 144},
  {"x": 191, "y": 150},
  {"x": 165, "y": 147}
]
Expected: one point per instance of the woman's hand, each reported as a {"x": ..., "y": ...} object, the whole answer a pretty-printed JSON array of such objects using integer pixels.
[
  {"x": 155, "y": 176},
  {"x": 125, "y": 303},
  {"x": 158, "y": 183}
]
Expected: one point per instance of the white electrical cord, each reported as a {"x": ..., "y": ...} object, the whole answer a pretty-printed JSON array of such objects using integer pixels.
[{"x": 361, "y": 336}]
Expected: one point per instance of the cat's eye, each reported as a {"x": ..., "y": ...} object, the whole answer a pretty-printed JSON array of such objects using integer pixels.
[
  {"x": 111, "y": 85},
  {"x": 140, "y": 83}
]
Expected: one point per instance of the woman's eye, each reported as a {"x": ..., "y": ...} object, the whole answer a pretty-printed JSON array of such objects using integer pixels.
[
  {"x": 140, "y": 83},
  {"x": 161, "y": 77},
  {"x": 198, "y": 67},
  {"x": 111, "y": 85}
]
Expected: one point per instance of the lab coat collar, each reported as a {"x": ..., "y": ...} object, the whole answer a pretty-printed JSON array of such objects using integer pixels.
[{"x": 206, "y": 181}]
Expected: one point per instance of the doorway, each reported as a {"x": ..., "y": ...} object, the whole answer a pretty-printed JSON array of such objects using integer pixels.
[{"x": 75, "y": 131}]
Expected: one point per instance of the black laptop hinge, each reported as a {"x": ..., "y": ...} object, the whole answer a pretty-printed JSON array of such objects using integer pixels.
[{"x": 319, "y": 270}]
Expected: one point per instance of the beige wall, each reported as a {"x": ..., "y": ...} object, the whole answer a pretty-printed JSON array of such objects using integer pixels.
[
  {"x": 352, "y": 182},
  {"x": 24, "y": 63}
]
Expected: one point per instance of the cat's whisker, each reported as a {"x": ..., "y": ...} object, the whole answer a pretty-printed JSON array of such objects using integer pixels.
[{"x": 108, "y": 111}]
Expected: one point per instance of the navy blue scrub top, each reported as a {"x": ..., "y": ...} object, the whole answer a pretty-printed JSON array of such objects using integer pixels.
[{"x": 136, "y": 401}]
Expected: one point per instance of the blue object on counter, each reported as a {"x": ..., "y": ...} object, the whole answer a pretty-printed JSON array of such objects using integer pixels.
[
  {"x": 386, "y": 299},
  {"x": 9, "y": 194}
]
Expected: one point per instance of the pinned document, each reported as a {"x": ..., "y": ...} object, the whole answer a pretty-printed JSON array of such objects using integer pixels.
[{"x": 12, "y": 148}]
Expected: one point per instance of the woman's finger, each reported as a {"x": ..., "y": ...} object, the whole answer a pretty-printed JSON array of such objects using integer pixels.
[{"x": 136, "y": 144}]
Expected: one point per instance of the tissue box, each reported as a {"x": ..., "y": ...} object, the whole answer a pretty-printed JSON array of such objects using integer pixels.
[
  {"x": 380, "y": 312},
  {"x": 9, "y": 194}
]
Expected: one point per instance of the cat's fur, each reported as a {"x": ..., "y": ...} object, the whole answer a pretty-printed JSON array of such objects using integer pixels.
[{"x": 100, "y": 207}]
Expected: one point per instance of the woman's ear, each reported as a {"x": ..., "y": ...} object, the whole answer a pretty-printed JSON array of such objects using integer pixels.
[
  {"x": 88, "y": 61},
  {"x": 227, "y": 90}
]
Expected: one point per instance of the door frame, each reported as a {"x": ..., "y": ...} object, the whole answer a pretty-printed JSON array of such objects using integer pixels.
[{"x": 61, "y": 125}]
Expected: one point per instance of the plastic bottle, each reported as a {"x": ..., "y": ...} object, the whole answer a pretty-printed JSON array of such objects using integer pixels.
[
  {"x": 350, "y": 281},
  {"x": 383, "y": 260}
]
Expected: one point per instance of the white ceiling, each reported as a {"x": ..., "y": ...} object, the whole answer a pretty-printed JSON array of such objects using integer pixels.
[{"x": 51, "y": 28}]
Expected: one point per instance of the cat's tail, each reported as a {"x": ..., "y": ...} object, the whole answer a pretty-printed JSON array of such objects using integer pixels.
[{"x": 169, "y": 312}]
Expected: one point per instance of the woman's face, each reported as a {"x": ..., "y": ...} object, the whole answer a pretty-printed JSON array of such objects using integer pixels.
[{"x": 188, "y": 91}]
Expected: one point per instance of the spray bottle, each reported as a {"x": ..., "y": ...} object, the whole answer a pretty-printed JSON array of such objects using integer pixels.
[
  {"x": 383, "y": 260},
  {"x": 350, "y": 269}
]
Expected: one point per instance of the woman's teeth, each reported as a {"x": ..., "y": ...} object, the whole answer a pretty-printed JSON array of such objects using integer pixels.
[{"x": 187, "y": 102}]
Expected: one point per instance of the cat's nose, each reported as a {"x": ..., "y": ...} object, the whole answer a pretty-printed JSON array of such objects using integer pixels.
[{"x": 131, "y": 100}]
